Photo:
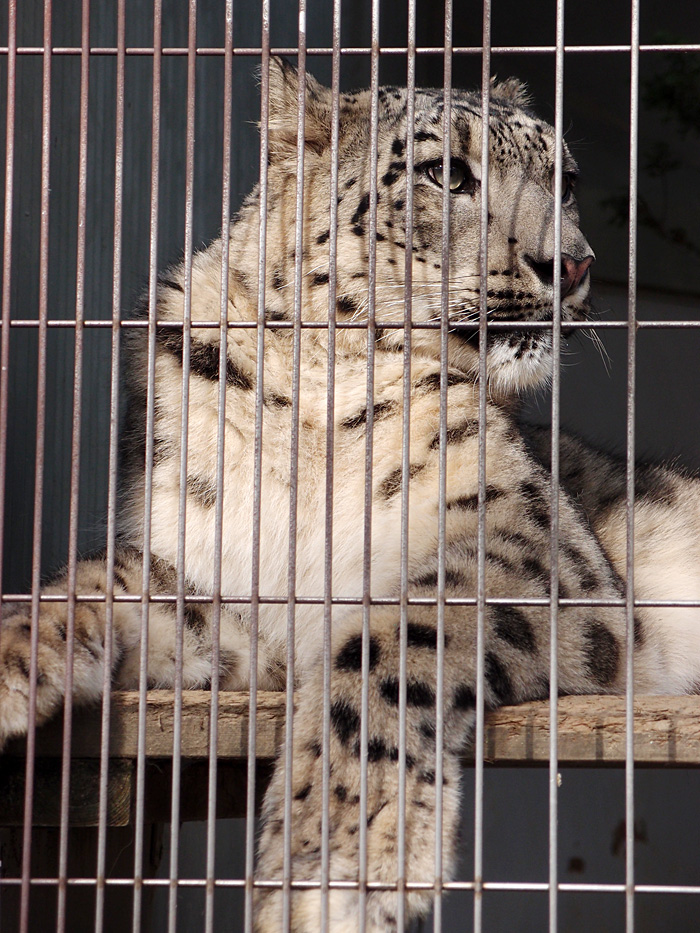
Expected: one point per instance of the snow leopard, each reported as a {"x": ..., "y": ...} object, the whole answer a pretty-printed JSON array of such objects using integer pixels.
[{"x": 399, "y": 651}]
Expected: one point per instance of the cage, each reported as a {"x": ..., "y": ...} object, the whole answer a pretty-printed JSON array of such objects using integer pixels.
[{"x": 130, "y": 141}]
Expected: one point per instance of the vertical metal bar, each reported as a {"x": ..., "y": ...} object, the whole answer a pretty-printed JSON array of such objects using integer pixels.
[
  {"x": 294, "y": 470},
  {"x": 330, "y": 434},
  {"x": 554, "y": 474},
  {"x": 442, "y": 473},
  {"x": 404, "y": 555},
  {"x": 148, "y": 467},
  {"x": 7, "y": 260},
  {"x": 405, "y": 481},
  {"x": 257, "y": 466},
  {"x": 220, "y": 442},
  {"x": 367, "y": 524},
  {"x": 481, "y": 508},
  {"x": 631, "y": 399},
  {"x": 38, "y": 465},
  {"x": 75, "y": 469},
  {"x": 182, "y": 498},
  {"x": 101, "y": 868}
]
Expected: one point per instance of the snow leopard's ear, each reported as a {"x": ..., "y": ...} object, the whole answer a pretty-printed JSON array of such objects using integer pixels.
[
  {"x": 284, "y": 84},
  {"x": 511, "y": 90}
]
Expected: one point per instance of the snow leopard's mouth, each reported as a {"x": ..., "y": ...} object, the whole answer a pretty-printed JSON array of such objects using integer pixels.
[
  {"x": 520, "y": 335},
  {"x": 516, "y": 342}
]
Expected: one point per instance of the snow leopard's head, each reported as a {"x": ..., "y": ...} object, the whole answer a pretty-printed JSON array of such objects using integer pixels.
[{"x": 521, "y": 218}]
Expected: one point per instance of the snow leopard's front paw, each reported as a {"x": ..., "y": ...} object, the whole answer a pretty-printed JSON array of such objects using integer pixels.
[
  {"x": 49, "y": 672},
  {"x": 16, "y": 674}
]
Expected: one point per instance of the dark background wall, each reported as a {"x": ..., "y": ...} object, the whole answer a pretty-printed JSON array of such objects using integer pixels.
[{"x": 597, "y": 88}]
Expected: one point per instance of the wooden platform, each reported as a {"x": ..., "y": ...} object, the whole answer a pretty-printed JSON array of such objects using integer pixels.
[{"x": 591, "y": 733}]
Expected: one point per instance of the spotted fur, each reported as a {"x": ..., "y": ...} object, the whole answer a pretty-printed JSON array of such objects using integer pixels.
[{"x": 518, "y": 494}]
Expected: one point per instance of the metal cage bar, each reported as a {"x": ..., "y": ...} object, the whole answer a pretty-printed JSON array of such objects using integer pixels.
[
  {"x": 554, "y": 479},
  {"x": 257, "y": 51},
  {"x": 631, "y": 460},
  {"x": 7, "y": 259},
  {"x": 39, "y": 466},
  {"x": 183, "y": 475},
  {"x": 220, "y": 451},
  {"x": 113, "y": 462},
  {"x": 294, "y": 466},
  {"x": 148, "y": 485},
  {"x": 330, "y": 462},
  {"x": 257, "y": 466},
  {"x": 481, "y": 481},
  {"x": 75, "y": 470},
  {"x": 368, "y": 464}
]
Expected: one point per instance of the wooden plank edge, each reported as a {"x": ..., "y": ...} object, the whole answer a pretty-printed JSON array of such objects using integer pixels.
[
  {"x": 591, "y": 729},
  {"x": 233, "y": 715}
]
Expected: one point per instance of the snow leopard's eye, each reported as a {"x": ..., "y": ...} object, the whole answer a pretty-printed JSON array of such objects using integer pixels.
[
  {"x": 461, "y": 179},
  {"x": 568, "y": 184}
]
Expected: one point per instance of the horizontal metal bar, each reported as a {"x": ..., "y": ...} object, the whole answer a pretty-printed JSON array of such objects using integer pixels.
[
  {"x": 362, "y": 325},
  {"x": 363, "y": 50},
  {"x": 536, "y": 886},
  {"x": 357, "y": 600}
]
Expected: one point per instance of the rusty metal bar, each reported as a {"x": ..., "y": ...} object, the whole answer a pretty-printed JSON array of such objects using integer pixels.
[
  {"x": 75, "y": 470},
  {"x": 7, "y": 264},
  {"x": 481, "y": 493},
  {"x": 445, "y": 274},
  {"x": 330, "y": 462},
  {"x": 630, "y": 449},
  {"x": 554, "y": 479},
  {"x": 357, "y": 600},
  {"x": 371, "y": 325},
  {"x": 38, "y": 467},
  {"x": 148, "y": 466},
  {"x": 257, "y": 464},
  {"x": 321, "y": 51},
  {"x": 101, "y": 867},
  {"x": 220, "y": 450},
  {"x": 294, "y": 468},
  {"x": 358, "y": 325},
  {"x": 184, "y": 446}
]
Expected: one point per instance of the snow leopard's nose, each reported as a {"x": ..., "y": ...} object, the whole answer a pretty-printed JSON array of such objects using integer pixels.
[{"x": 572, "y": 271}]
